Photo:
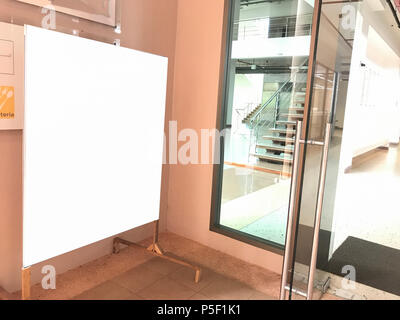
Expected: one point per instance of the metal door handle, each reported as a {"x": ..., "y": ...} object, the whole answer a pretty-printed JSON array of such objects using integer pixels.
[
  {"x": 292, "y": 202},
  {"x": 320, "y": 202},
  {"x": 317, "y": 224}
]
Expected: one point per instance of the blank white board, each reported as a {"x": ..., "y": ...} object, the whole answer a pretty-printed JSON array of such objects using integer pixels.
[{"x": 93, "y": 141}]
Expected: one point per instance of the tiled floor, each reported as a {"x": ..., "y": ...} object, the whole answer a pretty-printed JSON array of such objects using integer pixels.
[
  {"x": 369, "y": 191},
  {"x": 136, "y": 274},
  {"x": 159, "y": 279}
]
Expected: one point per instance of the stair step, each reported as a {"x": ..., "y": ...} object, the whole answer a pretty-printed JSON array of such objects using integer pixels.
[
  {"x": 285, "y": 149},
  {"x": 292, "y": 115},
  {"x": 251, "y": 113},
  {"x": 281, "y": 159},
  {"x": 280, "y": 139},
  {"x": 288, "y": 132},
  {"x": 296, "y": 109},
  {"x": 286, "y": 123}
]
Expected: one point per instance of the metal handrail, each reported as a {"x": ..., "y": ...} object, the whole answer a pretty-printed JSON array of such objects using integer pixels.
[
  {"x": 277, "y": 18},
  {"x": 266, "y": 122},
  {"x": 266, "y": 104},
  {"x": 274, "y": 25},
  {"x": 263, "y": 119},
  {"x": 277, "y": 92},
  {"x": 274, "y": 32}
]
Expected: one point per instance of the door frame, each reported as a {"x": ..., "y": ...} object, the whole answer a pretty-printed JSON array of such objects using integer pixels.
[{"x": 215, "y": 226}]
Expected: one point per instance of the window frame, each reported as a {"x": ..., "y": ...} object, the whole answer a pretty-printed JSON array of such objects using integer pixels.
[{"x": 218, "y": 167}]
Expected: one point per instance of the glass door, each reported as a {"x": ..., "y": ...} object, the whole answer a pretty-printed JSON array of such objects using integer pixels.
[
  {"x": 344, "y": 216},
  {"x": 309, "y": 230}
]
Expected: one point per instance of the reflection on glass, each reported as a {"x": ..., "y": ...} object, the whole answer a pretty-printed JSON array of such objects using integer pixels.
[
  {"x": 357, "y": 73},
  {"x": 333, "y": 58},
  {"x": 361, "y": 206},
  {"x": 266, "y": 94}
]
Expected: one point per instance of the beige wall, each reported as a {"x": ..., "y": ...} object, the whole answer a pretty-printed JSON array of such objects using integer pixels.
[
  {"x": 195, "y": 101},
  {"x": 148, "y": 25},
  {"x": 189, "y": 32}
]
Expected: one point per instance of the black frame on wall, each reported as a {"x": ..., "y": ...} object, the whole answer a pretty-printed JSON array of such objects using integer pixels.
[{"x": 221, "y": 124}]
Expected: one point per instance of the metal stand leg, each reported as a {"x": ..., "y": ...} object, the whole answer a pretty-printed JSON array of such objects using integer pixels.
[
  {"x": 156, "y": 250},
  {"x": 154, "y": 247},
  {"x": 26, "y": 283}
]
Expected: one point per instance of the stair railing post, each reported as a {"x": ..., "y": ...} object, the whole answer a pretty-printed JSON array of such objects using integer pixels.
[
  {"x": 256, "y": 133},
  {"x": 277, "y": 101}
]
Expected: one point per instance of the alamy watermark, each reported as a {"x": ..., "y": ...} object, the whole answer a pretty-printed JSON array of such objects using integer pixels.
[
  {"x": 348, "y": 17},
  {"x": 349, "y": 279},
  {"x": 49, "y": 19},
  {"x": 49, "y": 280},
  {"x": 189, "y": 146}
]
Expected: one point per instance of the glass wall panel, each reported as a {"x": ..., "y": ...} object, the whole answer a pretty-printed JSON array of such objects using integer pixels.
[
  {"x": 265, "y": 95},
  {"x": 332, "y": 66},
  {"x": 357, "y": 72}
]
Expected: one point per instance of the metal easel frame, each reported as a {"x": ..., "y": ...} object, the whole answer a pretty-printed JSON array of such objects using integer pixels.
[{"x": 156, "y": 250}]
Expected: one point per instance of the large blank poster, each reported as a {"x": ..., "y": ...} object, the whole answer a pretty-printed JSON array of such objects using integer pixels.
[{"x": 94, "y": 129}]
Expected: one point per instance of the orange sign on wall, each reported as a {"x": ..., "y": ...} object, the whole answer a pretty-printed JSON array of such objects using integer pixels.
[{"x": 7, "y": 102}]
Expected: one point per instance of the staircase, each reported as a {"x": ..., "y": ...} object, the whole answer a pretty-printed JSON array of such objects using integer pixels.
[
  {"x": 252, "y": 113},
  {"x": 277, "y": 145},
  {"x": 273, "y": 124}
]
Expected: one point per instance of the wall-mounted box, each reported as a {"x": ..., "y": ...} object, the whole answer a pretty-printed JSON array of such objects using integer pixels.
[
  {"x": 6, "y": 56},
  {"x": 12, "y": 72}
]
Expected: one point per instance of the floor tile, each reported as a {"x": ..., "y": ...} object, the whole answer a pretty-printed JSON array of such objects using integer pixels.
[
  {"x": 166, "y": 289},
  {"x": 227, "y": 289},
  {"x": 128, "y": 284},
  {"x": 257, "y": 295},
  {"x": 186, "y": 275},
  {"x": 138, "y": 278},
  {"x": 161, "y": 266},
  {"x": 108, "y": 291},
  {"x": 199, "y": 296},
  {"x": 327, "y": 296}
]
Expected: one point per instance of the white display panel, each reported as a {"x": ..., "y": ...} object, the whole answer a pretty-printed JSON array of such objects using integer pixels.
[{"x": 94, "y": 129}]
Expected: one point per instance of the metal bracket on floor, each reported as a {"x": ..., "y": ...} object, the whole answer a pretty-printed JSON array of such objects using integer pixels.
[
  {"x": 325, "y": 286},
  {"x": 296, "y": 291},
  {"x": 321, "y": 286},
  {"x": 156, "y": 250}
]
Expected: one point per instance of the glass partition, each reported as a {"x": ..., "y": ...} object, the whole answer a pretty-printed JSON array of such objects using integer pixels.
[
  {"x": 332, "y": 63},
  {"x": 265, "y": 94},
  {"x": 356, "y": 72}
]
